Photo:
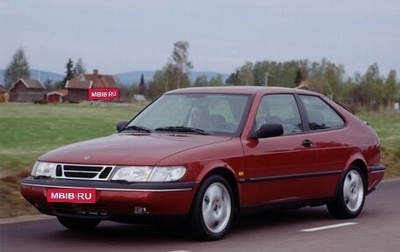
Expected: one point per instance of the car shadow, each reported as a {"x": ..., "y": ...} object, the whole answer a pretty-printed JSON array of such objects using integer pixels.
[
  {"x": 281, "y": 218},
  {"x": 109, "y": 232}
]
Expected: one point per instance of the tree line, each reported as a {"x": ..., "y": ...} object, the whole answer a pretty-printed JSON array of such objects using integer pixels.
[{"x": 371, "y": 90}]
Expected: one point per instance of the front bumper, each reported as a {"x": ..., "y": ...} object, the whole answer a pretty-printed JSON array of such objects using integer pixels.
[{"x": 114, "y": 200}]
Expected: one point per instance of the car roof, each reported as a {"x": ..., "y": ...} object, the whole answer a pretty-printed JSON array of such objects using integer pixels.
[{"x": 240, "y": 90}]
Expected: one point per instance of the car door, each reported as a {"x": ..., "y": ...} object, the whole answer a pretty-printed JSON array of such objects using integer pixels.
[
  {"x": 327, "y": 133},
  {"x": 280, "y": 168}
]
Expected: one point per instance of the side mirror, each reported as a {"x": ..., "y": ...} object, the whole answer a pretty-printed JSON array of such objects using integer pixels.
[
  {"x": 268, "y": 130},
  {"x": 121, "y": 125}
]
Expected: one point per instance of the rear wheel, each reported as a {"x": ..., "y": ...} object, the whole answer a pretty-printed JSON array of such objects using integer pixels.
[
  {"x": 351, "y": 195},
  {"x": 212, "y": 211},
  {"x": 78, "y": 224}
]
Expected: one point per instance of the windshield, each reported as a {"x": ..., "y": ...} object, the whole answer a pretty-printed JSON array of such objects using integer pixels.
[{"x": 215, "y": 114}]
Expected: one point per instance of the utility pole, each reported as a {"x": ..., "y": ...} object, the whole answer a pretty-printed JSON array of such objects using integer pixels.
[{"x": 266, "y": 79}]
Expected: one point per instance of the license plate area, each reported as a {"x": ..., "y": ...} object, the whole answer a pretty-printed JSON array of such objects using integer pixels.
[{"x": 75, "y": 195}]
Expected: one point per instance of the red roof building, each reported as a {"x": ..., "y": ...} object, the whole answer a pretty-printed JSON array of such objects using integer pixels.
[
  {"x": 79, "y": 86},
  {"x": 58, "y": 96}
]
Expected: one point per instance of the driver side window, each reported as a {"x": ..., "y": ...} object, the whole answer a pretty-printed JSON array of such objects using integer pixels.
[{"x": 280, "y": 109}]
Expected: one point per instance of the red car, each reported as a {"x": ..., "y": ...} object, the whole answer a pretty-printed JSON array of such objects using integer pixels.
[{"x": 204, "y": 155}]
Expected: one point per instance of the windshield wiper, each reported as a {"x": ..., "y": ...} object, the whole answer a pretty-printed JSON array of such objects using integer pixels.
[
  {"x": 182, "y": 129},
  {"x": 137, "y": 128}
]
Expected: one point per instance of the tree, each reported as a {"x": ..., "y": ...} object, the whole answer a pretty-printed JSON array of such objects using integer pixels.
[
  {"x": 332, "y": 80},
  {"x": 371, "y": 88},
  {"x": 158, "y": 85},
  {"x": 391, "y": 90},
  {"x": 299, "y": 77},
  {"x": 17, "y": 69},
  {"x": 246, "y": 75},
  {"x": 79, "y": 67},
  {"x": 142, "y": 86},
  {"x": 233, "y": 79},
  {"x": 69, "y": 73},
  {"x": 175, "y": 74},
  {"x": 179, "y": 65},
  {"x": 201, "y": 81},
  {"x": 216, "y": 81},
  {"x": 274, "y": 73}
]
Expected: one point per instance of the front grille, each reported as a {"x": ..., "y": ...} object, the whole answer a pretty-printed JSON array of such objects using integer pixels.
[{"x": 89, "y": 172}]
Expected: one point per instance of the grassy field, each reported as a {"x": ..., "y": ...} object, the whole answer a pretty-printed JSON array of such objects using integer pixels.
[
  {"x": 387, "y": 125},
  {"x": 30, "y": 130}
]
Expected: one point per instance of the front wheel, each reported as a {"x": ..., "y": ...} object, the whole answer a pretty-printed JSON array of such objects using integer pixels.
[
  {"x": 77, "y": 224},
  {"x": 351, "y": 195},
  {"x": 212, "y": 211}
]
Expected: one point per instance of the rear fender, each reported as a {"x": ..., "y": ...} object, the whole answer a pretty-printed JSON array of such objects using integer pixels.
[{"x": 358, "y": 160}]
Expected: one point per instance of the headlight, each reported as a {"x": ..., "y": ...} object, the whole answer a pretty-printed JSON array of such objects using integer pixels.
[
  {"x": 42, "y": 169},
  {"x": 149, "y": 174}
]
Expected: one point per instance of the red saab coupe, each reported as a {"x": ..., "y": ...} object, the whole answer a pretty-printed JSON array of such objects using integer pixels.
[{"x": 204, "y": 155}]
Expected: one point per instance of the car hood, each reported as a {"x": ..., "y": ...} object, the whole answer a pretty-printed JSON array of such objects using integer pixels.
[{"x": 129, "y": 149}]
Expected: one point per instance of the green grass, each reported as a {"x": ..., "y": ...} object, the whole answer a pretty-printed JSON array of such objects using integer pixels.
[{"x": 30, "y": 130}]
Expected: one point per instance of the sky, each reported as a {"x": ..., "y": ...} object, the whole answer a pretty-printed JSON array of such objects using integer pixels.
[{"x": 128, "y": 35}]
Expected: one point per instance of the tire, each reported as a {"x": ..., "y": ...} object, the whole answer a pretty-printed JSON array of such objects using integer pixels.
[
  {"x": 78, "y": 224},
  {"x": 213, "y": 208},
  {"x": 350, "y": 199}
]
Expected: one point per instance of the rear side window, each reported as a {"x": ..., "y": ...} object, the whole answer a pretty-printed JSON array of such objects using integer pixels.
[{"x": 320, "y": 114}]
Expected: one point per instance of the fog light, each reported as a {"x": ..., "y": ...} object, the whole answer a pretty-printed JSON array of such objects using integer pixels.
[{"x": 140, "y": 210}]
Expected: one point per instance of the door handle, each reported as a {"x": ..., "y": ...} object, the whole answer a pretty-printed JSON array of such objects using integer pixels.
[{"x": 307, "y": 143}]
